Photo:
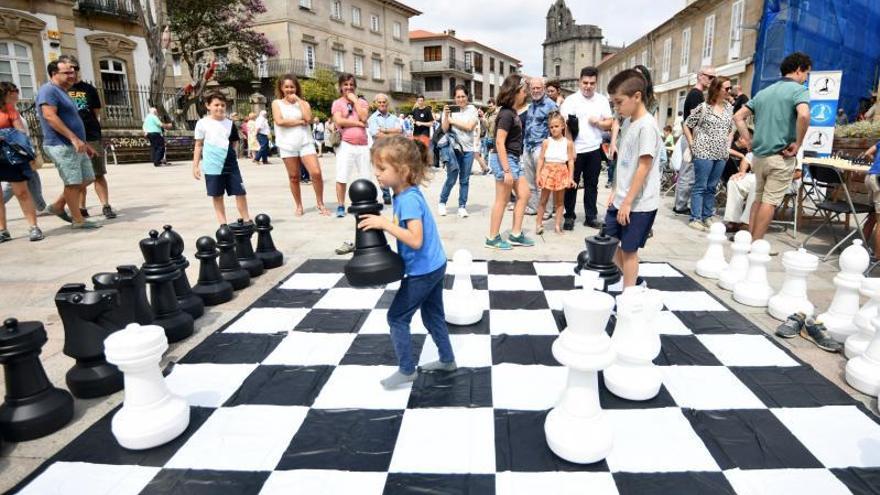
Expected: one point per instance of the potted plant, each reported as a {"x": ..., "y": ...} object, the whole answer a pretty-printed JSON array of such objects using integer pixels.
[{"x": 852, "y": 139}]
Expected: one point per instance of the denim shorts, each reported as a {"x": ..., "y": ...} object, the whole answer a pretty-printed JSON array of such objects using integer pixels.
[
  {"x": 513, "y": 161},
  {"x": 232, "y": 184},
  {"x": 633, "y": 235},
  {"x": 74, "y": 168}
]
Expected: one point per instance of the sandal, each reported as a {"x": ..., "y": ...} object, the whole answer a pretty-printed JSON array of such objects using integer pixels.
[{"x": 539, "y": 230}]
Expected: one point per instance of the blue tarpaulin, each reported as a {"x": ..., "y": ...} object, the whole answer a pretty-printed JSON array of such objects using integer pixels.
[{"x": 836, "y": 34}]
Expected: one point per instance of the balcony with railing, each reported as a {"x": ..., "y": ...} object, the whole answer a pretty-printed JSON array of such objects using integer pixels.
[
  {"x": 407, "y": 87},
  {"x": 301, "y": 68},
  {"x": 124, "y": 9},
  {"x": 445, "y": 65}
]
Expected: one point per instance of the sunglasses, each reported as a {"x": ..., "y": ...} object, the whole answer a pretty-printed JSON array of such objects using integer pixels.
[
  {"x": 727, "y": 89},
  {"x": 708, "y": 76}
]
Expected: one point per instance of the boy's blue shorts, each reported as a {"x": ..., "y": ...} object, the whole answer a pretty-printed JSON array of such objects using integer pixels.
[
  {"x": 232, "y": 184},
  {"x": 634, "y": 235}
]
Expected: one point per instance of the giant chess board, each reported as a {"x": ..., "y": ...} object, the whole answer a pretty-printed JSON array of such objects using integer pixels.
[{"x": 286, "y": 400}]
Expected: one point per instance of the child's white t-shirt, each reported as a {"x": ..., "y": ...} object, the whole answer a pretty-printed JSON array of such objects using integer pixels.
[
  {"x": 637, "y": 139},
  {"x": 215, "y": 143}
]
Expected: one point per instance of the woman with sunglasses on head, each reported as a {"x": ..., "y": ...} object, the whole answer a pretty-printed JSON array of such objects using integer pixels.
[
  {"x": 709, "y": 132},
  {"x": 685, "y": 182},
  {"x": 505, "y": 164}
]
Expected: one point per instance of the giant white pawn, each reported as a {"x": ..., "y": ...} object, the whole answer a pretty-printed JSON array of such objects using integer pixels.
[
  {"x": 459, "y": 304},
  {"x": 856, "y": 343},
  {"x": 739, "y": 261},
  {"x": 792, "y": 298},
  {"x": 754, "y": 290},
  {"x": 576, "y": 429},
  {"x": 634, "y": 376},
  {"x": 712, "y": 263},
  {"x": 151, "y": 415},
  {"x": 863, "y": 372},
  {"x": 838, "y": 319}
]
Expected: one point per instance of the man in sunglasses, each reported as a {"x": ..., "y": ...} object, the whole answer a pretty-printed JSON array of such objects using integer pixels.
[
  {"x": 88, "y": 104},
  {"x": 64, "y": 141},
  {"x": 686, "y": 174}
]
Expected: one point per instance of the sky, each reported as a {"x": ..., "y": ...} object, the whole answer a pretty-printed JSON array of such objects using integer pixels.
[{"x": 518, "y": 27}]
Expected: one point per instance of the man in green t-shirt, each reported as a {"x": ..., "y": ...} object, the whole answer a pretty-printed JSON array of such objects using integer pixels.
[
  {"x": 154, "y": 128},
  {"x": 782, "y": 115}
]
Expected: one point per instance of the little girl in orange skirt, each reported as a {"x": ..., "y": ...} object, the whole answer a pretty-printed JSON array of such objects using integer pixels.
[{"x": 555, "y": 171}]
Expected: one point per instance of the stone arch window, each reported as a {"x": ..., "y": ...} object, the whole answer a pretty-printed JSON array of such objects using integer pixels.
[
  {"x": 114, "y": 88},
  {"x": 113, "y": 65},
  {"x": 21, "y": 33},
  {"x": 16, "y": 66}
]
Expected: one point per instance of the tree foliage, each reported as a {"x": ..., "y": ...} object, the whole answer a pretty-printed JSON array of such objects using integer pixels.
[
  {"x": 320, "y": 91},
  {"x": 219, "y": 24}
]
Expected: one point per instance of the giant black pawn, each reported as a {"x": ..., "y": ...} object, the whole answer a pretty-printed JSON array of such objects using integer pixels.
[
  {"x": 186, "y": 299},
  {"x": 85, "y": 329},
  {"x": 272, "y": 258},
  {"x": 373, "y": 262},
  {"x": 230, "y": 268},
  {"x": 33, "y": 407},
  {"x": 244, "y": 250},
  {"x": 601, "y": 249},
  {"x": 211, "y": 287},
  {"x": 160, "y": 274},
  {"x": 131, "y": 286}
]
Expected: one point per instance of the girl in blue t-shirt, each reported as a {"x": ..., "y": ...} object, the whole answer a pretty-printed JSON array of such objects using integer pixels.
[{"x": 402, "y": 164}]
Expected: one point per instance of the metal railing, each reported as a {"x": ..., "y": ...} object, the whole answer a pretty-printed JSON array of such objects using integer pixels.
[
  {"x": 124, "y": 107},
  {"x": 407, "y": 87},
  {"x": 440, "y": 66},
  {"x": 279, "y": 66},
  {"x": 117, "y": 8}
]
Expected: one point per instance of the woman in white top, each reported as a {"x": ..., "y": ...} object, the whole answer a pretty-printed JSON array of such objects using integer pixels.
[
  {"x": 293, "y": 136},
  {"x": 460, "y": 122}
]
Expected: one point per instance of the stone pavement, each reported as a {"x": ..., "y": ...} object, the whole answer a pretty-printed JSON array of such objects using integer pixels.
[{"x": 147, "y": 198}]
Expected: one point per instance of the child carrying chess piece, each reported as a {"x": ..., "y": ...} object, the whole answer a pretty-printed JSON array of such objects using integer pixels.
[
  {"x": 402, "y": 165},
  {"x": 555, "y": 172},
  {"x": 872, "y": 182},
  {"x": 215, "y": 157},
  {"x": 632, "y": 205}
]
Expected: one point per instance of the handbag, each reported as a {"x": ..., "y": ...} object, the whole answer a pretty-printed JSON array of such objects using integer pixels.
[{"x": 334, "y": 137}]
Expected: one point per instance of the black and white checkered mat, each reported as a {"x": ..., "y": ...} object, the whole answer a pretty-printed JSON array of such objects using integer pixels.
[{"x": 286, "y": 400}]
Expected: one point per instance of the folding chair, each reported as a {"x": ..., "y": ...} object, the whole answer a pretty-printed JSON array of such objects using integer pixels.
[
  {"x": 829, "y": 178},
  {"x": 792, "y": 197}
]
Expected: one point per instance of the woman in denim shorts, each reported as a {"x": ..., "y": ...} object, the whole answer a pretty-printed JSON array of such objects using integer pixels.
[{"x": 505, "y": 164}]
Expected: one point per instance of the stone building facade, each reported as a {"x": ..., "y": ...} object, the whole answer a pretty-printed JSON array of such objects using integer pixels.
[
  {"x": 368, "y": 38},
  {"x": 103, "y": 34},
  {"x": 717, "y": 33},
  {"x": 569, "y": 47},
  {"x": 440, "y": 61}
]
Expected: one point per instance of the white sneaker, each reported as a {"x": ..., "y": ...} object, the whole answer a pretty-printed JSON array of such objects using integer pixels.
[
  {"x": 462, "y": 213},
  {"x": 441, "y": 209}
]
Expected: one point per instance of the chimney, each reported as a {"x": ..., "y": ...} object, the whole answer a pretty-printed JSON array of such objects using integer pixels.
[{"x": 450, "y": 32}]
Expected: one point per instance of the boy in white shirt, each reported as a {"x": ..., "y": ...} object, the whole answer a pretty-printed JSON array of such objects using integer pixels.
[
  {"x": 632, "y": 206},
  {"x": 215, "y": 156}
]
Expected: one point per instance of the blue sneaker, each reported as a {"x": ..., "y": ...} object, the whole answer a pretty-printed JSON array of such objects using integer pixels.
[
  {"x": 498, "y": 243},
  {"x": 520, "y": 240},
  {"x": 340, "y": 211}
]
